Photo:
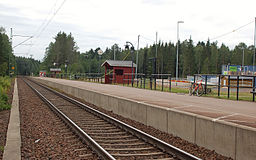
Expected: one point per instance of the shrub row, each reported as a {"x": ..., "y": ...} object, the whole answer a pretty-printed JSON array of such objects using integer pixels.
[{"x": 5, "y": 84}]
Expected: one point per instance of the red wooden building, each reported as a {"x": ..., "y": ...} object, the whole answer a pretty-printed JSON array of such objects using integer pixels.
[{"x": 119, "y": 71}]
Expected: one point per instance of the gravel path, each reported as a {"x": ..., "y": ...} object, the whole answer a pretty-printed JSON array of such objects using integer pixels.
[{"x": 44, "y": 135}]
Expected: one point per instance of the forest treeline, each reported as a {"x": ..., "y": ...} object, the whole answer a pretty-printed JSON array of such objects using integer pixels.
[
  {"x": 7, "y": 59},
  {"x": 12, "y": 65},
  {"x": 194, "y": 58}
]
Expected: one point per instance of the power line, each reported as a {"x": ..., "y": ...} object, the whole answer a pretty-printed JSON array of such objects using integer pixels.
[
  {"x": 44, "y": 21},
  {"x": 17, "y": 35},
  {"x": 23, "y": 42},
  {"x": 225, "y": 34},
  {"x": 49, "y": 21},
  {"x": 149, "y": 39}
]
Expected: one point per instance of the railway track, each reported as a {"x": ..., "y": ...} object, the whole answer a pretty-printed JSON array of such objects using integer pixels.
[{"x": 107, "y": 136}]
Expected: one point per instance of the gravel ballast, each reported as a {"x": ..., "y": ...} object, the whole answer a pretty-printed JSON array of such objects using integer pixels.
[
  {"x": 191, "y": 148},
  {"x": 43, "y": 134}
]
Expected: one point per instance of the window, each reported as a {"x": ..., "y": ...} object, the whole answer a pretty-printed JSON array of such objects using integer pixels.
[{"x": 119, "y": 72}]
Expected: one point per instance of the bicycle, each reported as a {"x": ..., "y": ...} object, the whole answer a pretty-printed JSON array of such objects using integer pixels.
[{"x": 196, "y": 88}]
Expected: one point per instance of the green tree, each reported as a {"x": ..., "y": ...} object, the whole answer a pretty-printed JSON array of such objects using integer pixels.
[
  {"x": 6, "y": 56},
  {"x": 27, "y": 66},
  {"x": 214, "y": 59},
  {"x": 63, "y": 50},
  {"x": 188, "y": 58}
]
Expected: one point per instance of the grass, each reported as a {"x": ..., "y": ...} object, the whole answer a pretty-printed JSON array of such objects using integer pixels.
[
  {"x": 158, "y": 87},
  {"x": 5, "y": 84},
  {"x": 244, "y": 96},
  {"x": 2, "y": 148}
]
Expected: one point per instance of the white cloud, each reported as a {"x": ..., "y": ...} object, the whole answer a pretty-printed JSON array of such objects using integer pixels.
[{"x": 99, "y": 23}]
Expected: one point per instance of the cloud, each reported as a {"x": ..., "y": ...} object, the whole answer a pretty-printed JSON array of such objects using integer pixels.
[
  {"x": 158, "y": 2},
  {"x": 100, "y": 23}
]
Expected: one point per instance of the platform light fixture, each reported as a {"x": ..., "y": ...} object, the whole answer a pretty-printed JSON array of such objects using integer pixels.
[{"x": 177, "y": 58}]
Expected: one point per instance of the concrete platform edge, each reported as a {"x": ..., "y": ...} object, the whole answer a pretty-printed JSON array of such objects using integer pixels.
[
  {"x": 12, "y": 149},
  {"x": 225, "y": 138}
]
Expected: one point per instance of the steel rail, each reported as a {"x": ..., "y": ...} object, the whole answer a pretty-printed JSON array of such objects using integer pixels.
[
  {"x": 79, "y": 132},
  {"x": 176, "y": 152}
]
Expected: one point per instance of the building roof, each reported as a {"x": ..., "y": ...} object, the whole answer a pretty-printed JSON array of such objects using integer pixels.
[
  {"x": 113, "y": 63},
  {"x": 55, "y": 69}
]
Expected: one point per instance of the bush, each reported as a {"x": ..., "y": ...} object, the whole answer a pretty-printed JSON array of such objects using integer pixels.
[
  {"x": 3, "y": 97},
  {"x": 4, "y": 105},
  {"x": 5, "y": 84}
]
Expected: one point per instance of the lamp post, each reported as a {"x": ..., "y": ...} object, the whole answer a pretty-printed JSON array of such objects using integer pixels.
[
  {"x": 177, "y": 62},
  {"x": 114, "y": 47},
  {"x": 254, "y": 51},
  {"x": 100, "y": 52},
  {"x": 132, "y": 50},
  {"x": 137, "y": 57},
  {"x": 242, "y": 70},
  {"x": 66, "y": 66},
  {"x": 243, "y": 60}
]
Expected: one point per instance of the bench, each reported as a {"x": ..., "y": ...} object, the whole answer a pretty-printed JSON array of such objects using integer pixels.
[{"x": 253, "y": 93}]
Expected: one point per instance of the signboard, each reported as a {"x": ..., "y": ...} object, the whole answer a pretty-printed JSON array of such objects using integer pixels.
[
  {"x": 55, "y": 69},
  {"x": 233, "y": 68}
]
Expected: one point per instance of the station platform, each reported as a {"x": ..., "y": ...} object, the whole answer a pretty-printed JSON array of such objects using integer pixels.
[
  {"x": 240, "y": 112},
  {"x": 227, "y": 126}
]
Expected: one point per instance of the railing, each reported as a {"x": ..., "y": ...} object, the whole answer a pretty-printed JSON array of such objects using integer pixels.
[
  {"x": 142, "y": 80},
  {"x": 91, "y": 77},
  {"x": 161, "y": 80},
  {"x": 229, "y": 81},
  {"x": 128, "y": 78}
]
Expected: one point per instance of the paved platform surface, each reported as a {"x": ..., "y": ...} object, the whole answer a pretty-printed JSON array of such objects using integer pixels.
[
  {"x": 13, "y": 141},
  {"x": 239, "y": 112}
]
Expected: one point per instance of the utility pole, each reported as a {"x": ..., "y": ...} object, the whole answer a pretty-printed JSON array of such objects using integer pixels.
[
  {"x": 156, "y": 54},
  {"x": 243, "y": 60},
  {"x": 137, "y": 57},
  {"x": 254, "y": 48},
  {"x": 177, "y": 62},
  {"x": 156, "y": 44},
  {"x": 114, "y": 51},
  {"x": 9, "y": 54}
]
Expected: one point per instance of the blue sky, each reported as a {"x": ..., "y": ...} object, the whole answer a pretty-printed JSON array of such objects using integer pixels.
[{"x": 99, "y": 23}]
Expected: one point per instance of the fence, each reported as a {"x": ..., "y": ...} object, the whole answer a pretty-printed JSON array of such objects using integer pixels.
[
  {"x": 91, "y": 77},
  {"x": 160, "y": 81},
  {"x": 229, "y": 81},
  {"x": 142, "y": 80}
]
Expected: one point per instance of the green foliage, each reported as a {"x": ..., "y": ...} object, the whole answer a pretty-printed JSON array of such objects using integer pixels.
[
  {"x": 5, "y": 83},
  {"x": 3, "y": 68},
  {"x": 27, "y": 66},
  {"x": 1, "y": 148},
  {"x": 7, "y": 59},
  {"x": 60, "y": 52},
  {"x": 202, "y": 58}
]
